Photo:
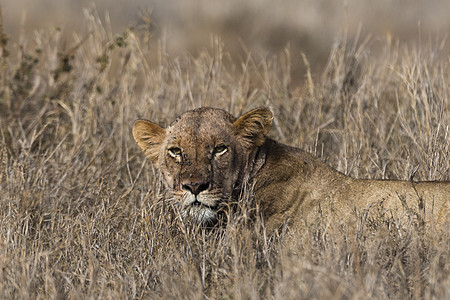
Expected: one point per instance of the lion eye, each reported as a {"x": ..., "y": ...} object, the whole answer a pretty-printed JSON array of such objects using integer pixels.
[
  {"x": 174, "y": 151},
  {"x": 219, "y": 150}
]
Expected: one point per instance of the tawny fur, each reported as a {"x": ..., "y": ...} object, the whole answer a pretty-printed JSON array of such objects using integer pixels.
[{"x": 291, "y": 186}]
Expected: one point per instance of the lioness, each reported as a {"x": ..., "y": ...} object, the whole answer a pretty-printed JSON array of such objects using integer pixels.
[{"x": 206, "y": 155}]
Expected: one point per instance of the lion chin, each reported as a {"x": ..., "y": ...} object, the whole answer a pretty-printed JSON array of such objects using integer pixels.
[{"x": 200, "y": 214}]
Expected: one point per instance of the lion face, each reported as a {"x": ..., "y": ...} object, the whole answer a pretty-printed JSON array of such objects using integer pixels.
[{"x": 203, "y": 156}]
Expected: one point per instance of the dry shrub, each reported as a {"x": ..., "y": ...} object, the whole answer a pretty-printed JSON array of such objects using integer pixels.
[{"x": 84, "y": 215}]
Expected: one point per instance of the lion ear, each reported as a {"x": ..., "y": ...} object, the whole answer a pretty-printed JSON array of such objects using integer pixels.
[
  {"x": 253, "y": 126},
  {"x": 149, "y": 137}
]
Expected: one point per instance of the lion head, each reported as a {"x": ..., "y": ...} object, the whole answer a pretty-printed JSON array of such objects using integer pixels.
[{"x": 204, "y": 156}]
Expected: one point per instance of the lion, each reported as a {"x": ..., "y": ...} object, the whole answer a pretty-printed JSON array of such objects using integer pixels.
[{"x": 207, "y": 156}]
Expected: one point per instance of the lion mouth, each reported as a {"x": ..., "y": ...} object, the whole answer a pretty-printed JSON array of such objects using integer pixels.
[
  {"x": 197, "y": 203},
  {"x": 200, "y": 208}
]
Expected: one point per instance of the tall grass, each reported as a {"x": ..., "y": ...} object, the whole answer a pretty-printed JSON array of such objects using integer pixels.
[{"x": 84, "y": 215}]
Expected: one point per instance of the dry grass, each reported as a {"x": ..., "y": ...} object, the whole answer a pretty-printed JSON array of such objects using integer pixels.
[{"x": 82, "y": 213}]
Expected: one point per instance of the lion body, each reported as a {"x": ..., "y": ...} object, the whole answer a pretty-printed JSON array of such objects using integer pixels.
[
  {"x": 297, "y": 187},
  {"x": 207, "y": 156}
]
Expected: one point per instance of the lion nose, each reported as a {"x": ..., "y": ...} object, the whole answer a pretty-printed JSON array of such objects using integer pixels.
[{"x": 196, "y": 187}]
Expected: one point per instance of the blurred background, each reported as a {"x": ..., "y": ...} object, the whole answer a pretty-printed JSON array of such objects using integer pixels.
[{"x": 258, "y": 27}]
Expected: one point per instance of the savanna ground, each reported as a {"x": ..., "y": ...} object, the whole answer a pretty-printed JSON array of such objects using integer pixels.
[{"x": 83, "y": 213}]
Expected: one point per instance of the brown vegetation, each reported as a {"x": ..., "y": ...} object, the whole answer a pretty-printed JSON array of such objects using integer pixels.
[{"x": 82, "y": 213}]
